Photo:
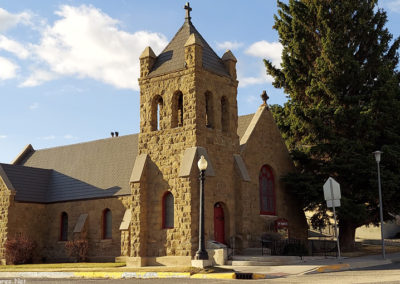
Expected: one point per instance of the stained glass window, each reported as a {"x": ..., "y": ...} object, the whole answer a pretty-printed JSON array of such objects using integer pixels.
[{"x": 267, "y": 191}]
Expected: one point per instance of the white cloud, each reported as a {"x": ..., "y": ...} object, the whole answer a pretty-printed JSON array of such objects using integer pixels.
[
  {"x": 265, "y": 49},
  {"x": 38, "y": 77},
  {"x": 69, "y": 136},
  {"x": 86, "y": 42},
  {"x": 393, "y": 5},
  {"x": 34, "y": 106},
  {"x": 232, "y": 45},
  {"x": 261, "y": 79},
  {"x": 8, "y": 20},
  {"x": 13, "y": 47},
  {"x": 50, "y": 137},
  {"x": 3, "y": 136},
  {"x": 8, "y": 69}
]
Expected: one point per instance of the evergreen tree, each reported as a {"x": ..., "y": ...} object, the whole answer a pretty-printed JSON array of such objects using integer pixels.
[{"x": 339, "y": 69}]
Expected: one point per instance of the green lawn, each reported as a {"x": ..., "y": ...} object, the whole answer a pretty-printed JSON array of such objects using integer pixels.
[{"x": 61, "y": 266}]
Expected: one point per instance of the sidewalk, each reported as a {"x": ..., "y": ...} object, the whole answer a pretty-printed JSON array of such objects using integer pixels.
[
  {"x": 307, "y": 265},
  {"x": 314, "y": 265}
]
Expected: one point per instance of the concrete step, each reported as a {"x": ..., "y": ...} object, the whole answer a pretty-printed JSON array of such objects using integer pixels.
[{"x": 249, "y": 260}]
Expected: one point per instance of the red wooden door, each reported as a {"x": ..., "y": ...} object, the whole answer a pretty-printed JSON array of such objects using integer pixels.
[{"x": 219, "y": 223}]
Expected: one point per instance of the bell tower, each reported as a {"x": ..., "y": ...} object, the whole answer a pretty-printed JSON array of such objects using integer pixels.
[
  {"x": 189, "y": 87},
  {"x": 187, "y": 101}
]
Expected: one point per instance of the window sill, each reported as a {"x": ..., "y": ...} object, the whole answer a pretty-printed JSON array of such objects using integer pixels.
[
  {"x": 268, "y": 217},
  {"x": 106, "y": 240}
]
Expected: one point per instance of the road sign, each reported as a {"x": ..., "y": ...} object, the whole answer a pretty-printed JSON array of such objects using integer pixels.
[
  {"x": 335, "y": 202},
  {"x": 332, "y": 197},
  {"x": 331, "y": 189}
]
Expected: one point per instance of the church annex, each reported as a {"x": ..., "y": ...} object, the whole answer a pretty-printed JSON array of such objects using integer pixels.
[{"x": 136, "y": 197}]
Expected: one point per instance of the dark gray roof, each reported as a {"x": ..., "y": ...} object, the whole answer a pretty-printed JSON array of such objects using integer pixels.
[
  {"x": 96, "y": 169},
  {"x": 30, "y": 183},
  {"x": 243, "y": 123},
  {"x": 172, "y": 58}
]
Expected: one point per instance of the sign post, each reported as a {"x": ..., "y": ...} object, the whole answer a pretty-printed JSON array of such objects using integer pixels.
[{"x": 332, "y": 197}]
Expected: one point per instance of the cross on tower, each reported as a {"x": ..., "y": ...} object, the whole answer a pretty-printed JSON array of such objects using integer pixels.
[{"x": 188, "y": 9}]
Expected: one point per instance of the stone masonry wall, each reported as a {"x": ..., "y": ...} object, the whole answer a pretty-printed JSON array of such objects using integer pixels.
[
  {"x": 99, "y": 249},
  {"x": 5, "y": 196},
  {"x": 138, "y": 226},
  {"x": 28, "y": 219},
  {"x": 266, "y": 146},
  {"x": 220, "y": 145},
  {"x": 166, "y": 148}
]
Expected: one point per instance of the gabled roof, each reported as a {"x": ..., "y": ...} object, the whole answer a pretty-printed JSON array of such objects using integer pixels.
[
  {"x": 243, "y": 123},
  {"x": 172, "y": 58},
  {"x": 95, "y": 169}
]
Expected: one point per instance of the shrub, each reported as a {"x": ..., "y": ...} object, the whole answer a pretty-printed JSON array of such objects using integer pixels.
[
  {"x": 19, "y": 250},
  {"x": 78, "y": 249}
]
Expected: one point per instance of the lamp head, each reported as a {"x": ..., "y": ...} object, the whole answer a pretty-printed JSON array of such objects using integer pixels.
[
  {"x": 377, "y": 156},
  {"x": 202, "y": 163}
]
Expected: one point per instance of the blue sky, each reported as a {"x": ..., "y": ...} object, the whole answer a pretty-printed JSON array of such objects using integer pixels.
[{"x": 69, "y": 69}]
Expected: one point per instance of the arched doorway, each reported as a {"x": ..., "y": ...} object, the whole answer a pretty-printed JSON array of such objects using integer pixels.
[{"x": 219, "y": 223}]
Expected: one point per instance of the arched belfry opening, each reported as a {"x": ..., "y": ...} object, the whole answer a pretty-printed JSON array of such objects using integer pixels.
[
  {"x": 156, "y": 113},
  {"x": 177, "y": 109},
  {"x": 209, "y": 110},
  {"x": 224, "y": 114}
]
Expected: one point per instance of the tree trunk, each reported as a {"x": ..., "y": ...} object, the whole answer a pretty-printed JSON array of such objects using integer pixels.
[{"x": 347, "y": 232}]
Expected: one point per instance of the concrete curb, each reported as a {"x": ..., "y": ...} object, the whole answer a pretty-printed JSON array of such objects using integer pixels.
[
  {"x": 349, "y": 266},
  {"x": 230, "y": 275},
  {"x": 332, "y": 268},
  {"x": 116, "y": 275},
  {"x": 257, "y": 276},
  {"x": 36, "y": 274}
]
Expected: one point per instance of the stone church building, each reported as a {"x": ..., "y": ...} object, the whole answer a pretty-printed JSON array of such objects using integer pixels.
[{"x": 136, "y": 197}]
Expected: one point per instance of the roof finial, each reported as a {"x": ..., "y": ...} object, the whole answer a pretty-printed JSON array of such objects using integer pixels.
[
  {"x": 265, "y": 98},
  {"x": 188, "y": 9}
]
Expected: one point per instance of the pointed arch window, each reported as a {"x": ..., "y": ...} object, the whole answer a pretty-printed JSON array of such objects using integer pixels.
[
  {"x": 177, "y": 109},
  {"x": 107, "y": 224},
  {"x": 156, "y": 113},
  {"x": 224, "y": 114},
  {"x": 64, "y": 227},
  {"x": 209, "y": 110},
  {"x": 267, "y": 191},
  {"x": 168, "y": 211}
]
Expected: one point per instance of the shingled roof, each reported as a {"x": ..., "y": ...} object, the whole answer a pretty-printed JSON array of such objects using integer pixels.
[
  {"x": 31, "y": 184},
  {"x": 243, "y": 123},
  {"x": 95, "y": 169},
  {"x": 172, "y": 58}
]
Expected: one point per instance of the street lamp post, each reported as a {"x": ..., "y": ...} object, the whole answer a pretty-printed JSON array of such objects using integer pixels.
[
  {"x": 378, "y": 159},
  {"x": 201, "y": 253}
]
